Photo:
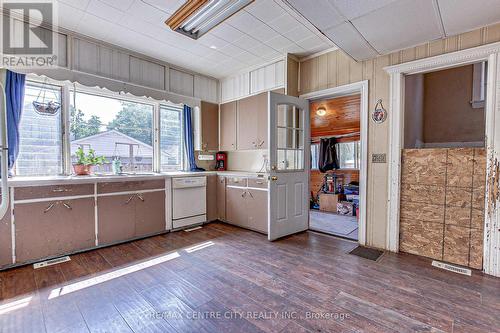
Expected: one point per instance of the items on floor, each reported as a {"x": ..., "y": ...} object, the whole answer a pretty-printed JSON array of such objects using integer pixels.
[{"x": 442, "y": 204}]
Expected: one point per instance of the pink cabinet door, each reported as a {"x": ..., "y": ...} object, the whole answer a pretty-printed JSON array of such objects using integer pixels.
[
  {"x": 149, "y": 213},
  {"x": 116, "y": 218},
  {"x": 221, "y": 198},
  {"x": 53, "y": 228},
  {"x": 212, "y": 198},
  {"x": 227, "y": 126},
  {"x": 236, "y": 212},
  {"x": 5, "y": 240},
  {"x": 257, "y": 210}
]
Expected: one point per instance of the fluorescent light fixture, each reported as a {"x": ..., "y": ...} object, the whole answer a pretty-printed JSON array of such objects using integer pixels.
[{"x": 196, "y": 17}]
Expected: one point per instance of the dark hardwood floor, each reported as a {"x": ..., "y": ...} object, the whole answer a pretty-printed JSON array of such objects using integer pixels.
[{"x": 225, "y": 279}]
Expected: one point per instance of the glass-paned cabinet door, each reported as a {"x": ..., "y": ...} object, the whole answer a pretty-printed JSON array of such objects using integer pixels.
[{"x": 289, "y": 137}]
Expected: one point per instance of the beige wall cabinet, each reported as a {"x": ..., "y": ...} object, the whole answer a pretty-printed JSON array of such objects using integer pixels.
[
  {"x": 52, "y": 228},
  {"x": 209, "y": 126},
  {"x": 212, "y": 197},
  {"x": 221, "y": 198},
  {"x": 5, "y": 240},
  {"x": 252, "y": 122},
  {"x": 228, "y": 126}
]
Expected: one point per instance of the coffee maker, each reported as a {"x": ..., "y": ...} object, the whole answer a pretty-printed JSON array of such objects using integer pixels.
[{"x": 221, "y": 161}]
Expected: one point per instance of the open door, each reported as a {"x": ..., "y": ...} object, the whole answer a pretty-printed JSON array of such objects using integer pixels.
[{"x": 289, "y": 150}]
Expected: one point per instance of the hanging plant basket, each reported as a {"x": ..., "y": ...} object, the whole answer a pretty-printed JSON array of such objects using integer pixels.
[{"x": 50, "y": 108}]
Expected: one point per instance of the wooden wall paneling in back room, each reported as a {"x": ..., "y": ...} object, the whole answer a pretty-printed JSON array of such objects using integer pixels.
[
  {"x": 209, "y": 126},
  {"x": 212, "y": 184},
  {"x": 5, "y": 240},
  {"x": 227, "y": 136}
]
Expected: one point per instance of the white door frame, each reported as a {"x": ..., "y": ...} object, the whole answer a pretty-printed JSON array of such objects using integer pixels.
[
  {"x": 360, "y": 87},
  {"x": 490, "y": 53}
]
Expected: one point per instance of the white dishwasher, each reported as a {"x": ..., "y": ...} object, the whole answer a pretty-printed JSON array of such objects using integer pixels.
[{"x": 189, "y": 201}]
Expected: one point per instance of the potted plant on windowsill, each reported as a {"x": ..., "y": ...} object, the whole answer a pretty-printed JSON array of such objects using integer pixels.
[{"x": 85, "y": 162}]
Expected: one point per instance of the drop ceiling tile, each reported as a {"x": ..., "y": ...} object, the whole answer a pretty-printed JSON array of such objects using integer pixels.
[
  {"x": 104, "y": 11},
  {"x": 167, "y": 6},
  {"x": 243, "y": 21},
  {"x": 284, "y": 23},
  {"x": 351, "y": 42},
  {"x": 263, "y": 33},
  {"x": 80, "y": 4},
  {"x": 403, "y": 24},
  {"x": 279, "y": 42},
  {"x": 246, "y": 42},
  {"x": 212, "y": 40},
  {"x": 464, "y": 15},
  {"x": 300, "y": 32},
  {"x": 147, "y": 12},
  {"x": 226, "y": 32},
  {"x": 91, "y": 25},
  {"x": 351, "y": 9},
  {"x": 68, "y": 17},
  {"x": 322, "y": 14},
  {"x": 231, "y": 50},
  {"x": 312, "y": 43},
  {"x": 265, "y": 10},
  {"x": 293, "y": 49},
  {"x": 247, "y": 57},
  {"x": 122, "y": 5}
]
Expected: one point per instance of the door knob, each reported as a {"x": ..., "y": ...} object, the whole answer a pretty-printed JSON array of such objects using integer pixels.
[{"x": 274, "y": 178}]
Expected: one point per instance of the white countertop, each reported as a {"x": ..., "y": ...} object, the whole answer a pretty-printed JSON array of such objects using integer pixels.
[{"x": 55, "y": 180}]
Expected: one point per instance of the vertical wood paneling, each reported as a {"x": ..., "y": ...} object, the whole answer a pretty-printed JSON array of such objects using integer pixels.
[
  {"x": 322, "y": 74},
  {"x": 331, "y": 69},
  {"x": 147, "y": 73},
  {"x": 343, "y": 61}
]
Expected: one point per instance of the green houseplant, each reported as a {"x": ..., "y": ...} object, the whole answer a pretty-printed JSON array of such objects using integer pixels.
[{"x": 85, "y": 162}]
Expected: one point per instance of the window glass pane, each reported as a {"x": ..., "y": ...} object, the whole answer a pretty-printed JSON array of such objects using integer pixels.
[
  {"x": 348, "y": 154},
  {"x": 314, "y": 156},
  {"x": 115, "y": 129},
  {"x": 171, "y": 138},
  {"x": 40, "y": 138}
]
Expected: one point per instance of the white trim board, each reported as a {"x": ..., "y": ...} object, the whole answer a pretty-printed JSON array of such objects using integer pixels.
[
  {"x": 490, "y": 53},
  {"x": 360, "y": 87}
]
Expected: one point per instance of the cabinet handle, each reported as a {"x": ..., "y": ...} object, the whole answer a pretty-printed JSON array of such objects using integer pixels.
[
  {"x": 140, "y": 197},
  {"x": 243, "y": 194},
  {"x": 61, "y": 190},
  {"x": 49, "y": 207},
  {"x": 259, "y": 182},
  {"x": 251, "y": 196},
  {"x": 261, "y": 143},
  {"x": 67, "y": 206},
  {"x": 129, "y": 199}
]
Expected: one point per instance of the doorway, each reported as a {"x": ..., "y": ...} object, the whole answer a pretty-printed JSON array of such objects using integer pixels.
[{"x": 337, "y": 180}]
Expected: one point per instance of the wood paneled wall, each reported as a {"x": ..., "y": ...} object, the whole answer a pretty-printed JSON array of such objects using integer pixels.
[
  {"x": 442, "y": 204},
  {"x": 317, "y": 178},
  {"x": 335, "y": 69}
]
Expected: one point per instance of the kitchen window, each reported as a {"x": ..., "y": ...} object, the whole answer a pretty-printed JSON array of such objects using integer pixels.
[
  {"x": 144, "y": 134},
  {"x": 40, "y": 134},
  {"x": 115, "y": 128}
]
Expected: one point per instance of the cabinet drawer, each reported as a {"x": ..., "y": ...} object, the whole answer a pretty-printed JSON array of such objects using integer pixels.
[
  {"x": 236, "y": 181},
  {"x": 34, "y": 192},
  {"x": 112, "y": 187},
  {"x": 257, "y": 182},
  {"x": 54, "y": 228}
]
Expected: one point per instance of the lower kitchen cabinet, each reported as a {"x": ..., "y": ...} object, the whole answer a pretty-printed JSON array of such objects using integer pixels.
[
  {"x": 247, "y": 208},
  {"x": 236, "y": 212},
  {"x": 221, "y": 198},
  {"x": 257, "y": 210},
  {"x": 212, "y": 198},
  {"x": 115, "y": 218},
  {"x": 149, "y": 213},
  {"x": 53, "y": 228},
  {"x": 125, "y": 216},
  {"x": 5, "y": 240}
]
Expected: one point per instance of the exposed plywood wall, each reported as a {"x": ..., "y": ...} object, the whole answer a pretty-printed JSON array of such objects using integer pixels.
[
  {"x": 336, "y": 68},
  {"x": 342, "y": 116},
  {"x": 442, "y": 204}
]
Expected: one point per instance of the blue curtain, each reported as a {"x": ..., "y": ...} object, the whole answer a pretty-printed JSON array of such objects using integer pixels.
[
  {"x": 14, "y": 91},
  {"x": 188, "y": 139}
]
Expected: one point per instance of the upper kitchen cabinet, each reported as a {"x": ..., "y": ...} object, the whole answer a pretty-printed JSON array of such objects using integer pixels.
[
  {"x": 209, "y": 126},
  {"x": 252, "y": 122},
  {"x": 228, "y": 126}
]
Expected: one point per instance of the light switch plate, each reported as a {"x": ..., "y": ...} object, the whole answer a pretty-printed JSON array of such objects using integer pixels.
[{"x": 206, "y": 157}]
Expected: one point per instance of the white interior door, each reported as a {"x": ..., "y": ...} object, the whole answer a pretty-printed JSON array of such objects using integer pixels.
[{"x": 289, "y": 156}]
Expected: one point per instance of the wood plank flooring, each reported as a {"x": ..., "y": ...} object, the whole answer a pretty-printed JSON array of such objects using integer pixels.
[{"x": 224, "y": 279}]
